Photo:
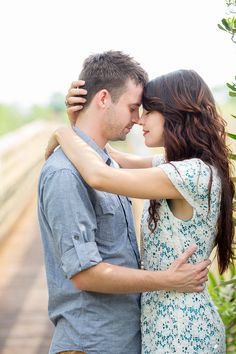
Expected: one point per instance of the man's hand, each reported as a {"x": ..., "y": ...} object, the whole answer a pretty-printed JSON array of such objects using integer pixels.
[
  {"x": 185, "y": 277},
  {"x": 74, "y": 101}
]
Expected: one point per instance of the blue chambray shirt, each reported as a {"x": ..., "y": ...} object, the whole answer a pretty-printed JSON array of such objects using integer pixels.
[{"x": 81, "y": 227}]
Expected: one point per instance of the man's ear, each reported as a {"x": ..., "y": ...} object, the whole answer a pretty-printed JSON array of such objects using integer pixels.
[{"x": 103, "y": 98}]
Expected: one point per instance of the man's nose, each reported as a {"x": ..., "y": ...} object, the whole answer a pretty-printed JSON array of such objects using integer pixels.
[
  {"x": 135, "y": 119},
  {"x": 140, "y": 121}
]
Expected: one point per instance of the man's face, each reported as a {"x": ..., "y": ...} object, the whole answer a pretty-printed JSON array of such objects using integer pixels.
[{"x": 123, "y": 114}]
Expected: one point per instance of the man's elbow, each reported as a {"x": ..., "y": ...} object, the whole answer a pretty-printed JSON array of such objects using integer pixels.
[{"x": 79, "y": 282}]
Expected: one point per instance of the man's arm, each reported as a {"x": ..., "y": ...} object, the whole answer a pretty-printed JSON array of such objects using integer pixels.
[
  {"x": 72, "y": 220},
  {"x": 108, "y": 278}
]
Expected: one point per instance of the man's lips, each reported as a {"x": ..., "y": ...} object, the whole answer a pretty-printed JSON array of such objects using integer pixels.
[
  {"x": 145, "y": 132},
  {"x": 129, "y": 128}
]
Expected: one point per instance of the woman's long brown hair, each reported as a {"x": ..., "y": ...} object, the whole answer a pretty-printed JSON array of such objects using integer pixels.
[{"x": 194, "y": 129}]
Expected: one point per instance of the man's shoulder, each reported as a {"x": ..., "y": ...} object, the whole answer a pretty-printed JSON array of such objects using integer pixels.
[{"x": 57, "y": 162}]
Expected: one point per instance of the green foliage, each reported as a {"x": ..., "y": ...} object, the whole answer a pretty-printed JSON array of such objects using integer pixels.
[
  {"x": 56, "y": 103},
  {"x": 230, "y": 2},
  {"x": 223, "y": 292},
  {"x": 13, "y": 117},
  {"x": 223, "y": 289},
  {"x": 232, "y": 89},
  {"x": 229, "y": 24},
  {"x": 232, "y": 136}
]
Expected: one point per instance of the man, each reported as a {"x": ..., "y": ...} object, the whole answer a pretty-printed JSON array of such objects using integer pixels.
[{"x": 91, "y": 254}]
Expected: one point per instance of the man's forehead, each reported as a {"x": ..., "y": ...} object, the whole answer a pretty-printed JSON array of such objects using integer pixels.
[
  {"x": 131, "y": 84},
  {"x": 133, "y": 92}
]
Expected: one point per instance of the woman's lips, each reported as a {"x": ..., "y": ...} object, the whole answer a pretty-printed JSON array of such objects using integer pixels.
[{"x": 145, "y": 132}]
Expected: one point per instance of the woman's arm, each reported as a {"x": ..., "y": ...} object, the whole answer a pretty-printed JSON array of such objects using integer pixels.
[
  {"x": 126, "y": 160},
  {"x": 148, "y": 183}
]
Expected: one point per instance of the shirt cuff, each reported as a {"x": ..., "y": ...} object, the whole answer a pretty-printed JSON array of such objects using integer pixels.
[{"x": 80, "y": 257}]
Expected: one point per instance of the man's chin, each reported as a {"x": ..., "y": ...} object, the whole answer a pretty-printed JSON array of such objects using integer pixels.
[{"x": 119, "y": 138}]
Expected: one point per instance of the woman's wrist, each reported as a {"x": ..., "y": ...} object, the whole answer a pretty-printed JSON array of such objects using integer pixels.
[{"x": 60, "y": 133}]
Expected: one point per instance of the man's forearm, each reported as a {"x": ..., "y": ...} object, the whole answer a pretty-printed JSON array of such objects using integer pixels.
[
  {"x": 109, "y": 278},
  {"x": 113, "y": 279}
]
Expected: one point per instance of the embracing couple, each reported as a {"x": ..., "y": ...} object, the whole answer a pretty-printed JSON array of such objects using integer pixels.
[{"x": 103, "y": 297}]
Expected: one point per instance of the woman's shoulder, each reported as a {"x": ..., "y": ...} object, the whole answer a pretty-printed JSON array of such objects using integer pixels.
[
  {"x": 193, "y": 171},
  {"x": 194, "y": 179},
  {"x": 194, "y": 166}
]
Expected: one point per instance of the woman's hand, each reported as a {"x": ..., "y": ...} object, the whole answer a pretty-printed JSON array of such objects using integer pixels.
[
  {"x": 126, "y": 160},
  {"x": 75, "y": 100},
  {"x": 52, "y": 144}
]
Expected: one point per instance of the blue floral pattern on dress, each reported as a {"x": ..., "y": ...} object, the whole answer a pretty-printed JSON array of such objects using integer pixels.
[{"x": 182, "y": 322}]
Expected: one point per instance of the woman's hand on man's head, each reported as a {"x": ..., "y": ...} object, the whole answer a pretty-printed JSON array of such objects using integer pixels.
[{"x": 75, "y": 100}]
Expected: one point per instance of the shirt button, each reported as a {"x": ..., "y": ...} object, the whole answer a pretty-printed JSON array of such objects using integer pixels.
[{"x": 76, "y": 237}]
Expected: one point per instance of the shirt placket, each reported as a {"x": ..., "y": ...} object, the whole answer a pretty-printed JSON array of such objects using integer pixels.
[{"x": 130, "y": 233}]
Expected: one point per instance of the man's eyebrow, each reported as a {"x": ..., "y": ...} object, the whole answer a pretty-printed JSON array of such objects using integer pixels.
[{"x": 136, "y": 104}]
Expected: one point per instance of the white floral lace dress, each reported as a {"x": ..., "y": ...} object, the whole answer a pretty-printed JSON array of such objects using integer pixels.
[{"x": 182, "y": 322}]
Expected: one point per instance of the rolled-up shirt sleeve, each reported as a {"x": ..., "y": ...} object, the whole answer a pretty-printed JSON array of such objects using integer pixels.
[{"x": 72, "y": 220}]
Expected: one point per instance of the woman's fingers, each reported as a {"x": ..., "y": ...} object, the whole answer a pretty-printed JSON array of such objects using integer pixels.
[
  {"x": 73, "y": 109},
  {"x": 77, "y": 92},
  {"x": 71, "y": 100},
  {"x": 74, "y": 96},
  {"x": 77, "y": 83},
  {"x": 75, "y": 100}
]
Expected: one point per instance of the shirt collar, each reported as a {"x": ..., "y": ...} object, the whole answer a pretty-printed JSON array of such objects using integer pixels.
[{"x": 101, "y": 152}]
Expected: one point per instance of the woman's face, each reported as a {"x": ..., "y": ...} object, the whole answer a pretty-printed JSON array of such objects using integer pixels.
[{"x": 153, "y": 125}]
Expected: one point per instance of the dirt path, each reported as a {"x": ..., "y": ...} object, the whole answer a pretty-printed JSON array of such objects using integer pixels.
[{"x": 24, "y": 325}]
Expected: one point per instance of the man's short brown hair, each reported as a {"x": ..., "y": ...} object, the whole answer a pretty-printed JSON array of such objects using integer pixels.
[{"x": 110, "y": 70}]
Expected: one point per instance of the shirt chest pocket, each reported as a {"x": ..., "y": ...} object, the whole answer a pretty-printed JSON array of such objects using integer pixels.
[{"x": 110, "y": 217}]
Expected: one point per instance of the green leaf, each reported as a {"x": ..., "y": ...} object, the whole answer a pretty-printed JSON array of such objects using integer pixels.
[
  {"x": 233, "y": 116},
  {"x": 226, "y": 24},
  {"x": 232, "y": 94},
  {"x": 231, "y": 281},
  {"x": 232, "y": 271},
  {"x": 231, "y": 86},
  {"x": 221, "y": 27},
  {"x": 232, "y": 136},
  {"x": 233, "y": 156},
  {"x": 212, "y": 279}
]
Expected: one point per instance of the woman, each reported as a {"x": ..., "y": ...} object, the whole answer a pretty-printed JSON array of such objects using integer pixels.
[{"x": 190, "y": 194}]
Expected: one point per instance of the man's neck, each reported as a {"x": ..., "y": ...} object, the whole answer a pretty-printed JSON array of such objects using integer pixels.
[{"x": 88, "y": 125}]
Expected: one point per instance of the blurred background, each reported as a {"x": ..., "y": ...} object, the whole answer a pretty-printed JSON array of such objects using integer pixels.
[{"x": 43, "y": 45}]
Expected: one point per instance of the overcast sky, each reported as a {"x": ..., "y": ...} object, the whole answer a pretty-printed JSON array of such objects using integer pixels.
[{"x": 44, "y": 42}]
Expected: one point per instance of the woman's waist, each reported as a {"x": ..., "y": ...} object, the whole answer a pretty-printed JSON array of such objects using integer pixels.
[{"x": 183, "y": 298}]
